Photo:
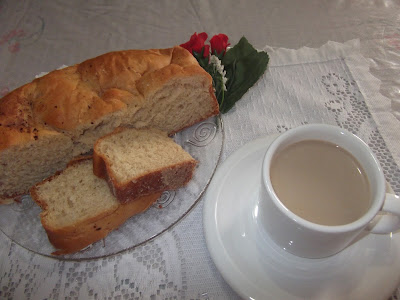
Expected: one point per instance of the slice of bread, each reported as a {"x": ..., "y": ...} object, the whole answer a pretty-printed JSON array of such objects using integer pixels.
[
  {"x": 78, "y": 208},
  {"x": 138, "y": 162}
]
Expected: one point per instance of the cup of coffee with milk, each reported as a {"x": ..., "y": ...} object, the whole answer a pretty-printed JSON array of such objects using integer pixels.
[{"x": 322, "y": 186}]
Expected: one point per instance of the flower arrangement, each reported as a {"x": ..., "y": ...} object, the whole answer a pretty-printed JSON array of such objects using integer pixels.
[{"x": 233, "y": 70}]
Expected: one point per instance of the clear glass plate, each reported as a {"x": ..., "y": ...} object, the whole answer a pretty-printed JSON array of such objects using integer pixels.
[{"x": 204, "y": 141}]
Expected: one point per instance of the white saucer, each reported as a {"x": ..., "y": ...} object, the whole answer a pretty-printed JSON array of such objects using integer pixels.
[{"x": 256, "y": 268}]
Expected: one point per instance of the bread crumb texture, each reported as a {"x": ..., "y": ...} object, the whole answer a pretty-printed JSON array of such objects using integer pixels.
[
  {"x": 73, "y": 196},
  {"x": 137, "y": 162},
  {"x": 78, "y": 208},
  {"x": 132, "y": 153}
]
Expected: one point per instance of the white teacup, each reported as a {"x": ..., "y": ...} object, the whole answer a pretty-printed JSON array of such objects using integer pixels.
[{"x": 311, "y": 240}]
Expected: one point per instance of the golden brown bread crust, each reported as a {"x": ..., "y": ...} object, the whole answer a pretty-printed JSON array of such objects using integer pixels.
[
  {"x": 146, "y": 184},
  {"x": 71, "y": 239},
  {"x": 75, "y": 101},
  {"x": 155, "y": 181},
  {"x": 64, "y": 100}
]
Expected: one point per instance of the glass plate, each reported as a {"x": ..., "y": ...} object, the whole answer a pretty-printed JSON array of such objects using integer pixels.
[{"x": 204, "y": 141}]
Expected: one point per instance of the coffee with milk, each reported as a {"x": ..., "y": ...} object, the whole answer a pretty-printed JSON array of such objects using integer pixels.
[{"x": 320, "y": 182}]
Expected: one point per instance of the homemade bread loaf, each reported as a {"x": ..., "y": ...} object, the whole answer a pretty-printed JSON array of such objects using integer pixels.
[
  {"x": 138, "y": 162},
  {"x": 78, "y": 208},
  {"x": 47, "y": 122}
]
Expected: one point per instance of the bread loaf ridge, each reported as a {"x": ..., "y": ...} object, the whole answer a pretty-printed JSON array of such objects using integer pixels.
[{"x": 47, "y": 122}]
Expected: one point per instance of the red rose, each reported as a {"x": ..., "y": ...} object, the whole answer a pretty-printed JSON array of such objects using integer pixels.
[
  {"x": 219, "y": 42},
  {"x": 196, "y": 44}
]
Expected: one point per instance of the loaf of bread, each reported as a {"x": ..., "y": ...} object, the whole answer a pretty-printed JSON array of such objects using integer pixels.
[
  {"x": 47, "y": 122},
  {"x": 138, "y": 162},
  {"x": 78, "y": 208}
]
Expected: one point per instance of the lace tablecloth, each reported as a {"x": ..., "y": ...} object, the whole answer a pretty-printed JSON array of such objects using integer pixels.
[{"x": 330, "y": 84}]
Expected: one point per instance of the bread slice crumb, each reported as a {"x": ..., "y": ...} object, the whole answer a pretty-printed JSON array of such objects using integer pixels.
[
  {"x": 138, "y": 162},
  {"x": 78, "y": 208}
]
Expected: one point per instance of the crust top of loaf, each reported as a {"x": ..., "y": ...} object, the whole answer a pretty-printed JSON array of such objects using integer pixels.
[{"x": 77, "y": 97}]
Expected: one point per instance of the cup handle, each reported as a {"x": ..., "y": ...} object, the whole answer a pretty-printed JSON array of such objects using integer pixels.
[{"x": 386, "y": 223}]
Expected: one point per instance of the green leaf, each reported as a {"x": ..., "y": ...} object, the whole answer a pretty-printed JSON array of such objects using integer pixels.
[
  {"x": 241, "y": 49},
  {"x": 244, "y": 65},
  {"x": 203, "y": 61}
]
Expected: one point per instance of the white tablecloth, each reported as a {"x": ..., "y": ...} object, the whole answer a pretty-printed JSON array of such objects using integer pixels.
[{"x": 352, "y": 84}]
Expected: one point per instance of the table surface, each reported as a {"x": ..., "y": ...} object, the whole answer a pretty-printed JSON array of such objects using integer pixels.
[{"x": 38, "y": 36}]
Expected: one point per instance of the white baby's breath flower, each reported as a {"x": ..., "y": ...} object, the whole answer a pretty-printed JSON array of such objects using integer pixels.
[{"x": 217, "y": 65}]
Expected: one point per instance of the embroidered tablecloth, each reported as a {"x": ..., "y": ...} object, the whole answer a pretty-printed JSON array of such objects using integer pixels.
[{"x": 330, "y": 84}]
